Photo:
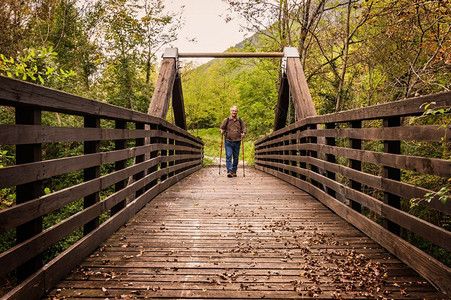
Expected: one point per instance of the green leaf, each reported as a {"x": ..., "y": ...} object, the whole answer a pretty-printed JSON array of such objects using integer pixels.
[
  {"x": 47, "y": 191},
  {"x": 40, "y": 79},
  {"x": 9, "y": 74}
]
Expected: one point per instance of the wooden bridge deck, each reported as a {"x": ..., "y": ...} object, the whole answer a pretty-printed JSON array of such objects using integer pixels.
[{"x": 255, "y": 237}]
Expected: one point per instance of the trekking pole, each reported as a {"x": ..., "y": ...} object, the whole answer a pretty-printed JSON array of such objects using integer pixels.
[
  {"x": 220, "y": 154},
  {"x": 242, "y": 141}
]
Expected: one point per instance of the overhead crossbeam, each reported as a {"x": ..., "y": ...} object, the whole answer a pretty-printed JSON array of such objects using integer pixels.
[{"x": 230, "y": 54}]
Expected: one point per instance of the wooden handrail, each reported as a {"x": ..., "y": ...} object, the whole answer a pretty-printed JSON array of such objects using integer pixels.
[
  {"x": 100, "y": 170},
  {"x": 337, "y": 176}
]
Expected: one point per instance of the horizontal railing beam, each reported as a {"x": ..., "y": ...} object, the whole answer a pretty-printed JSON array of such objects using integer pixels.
[{"x": 230, "y": 54}]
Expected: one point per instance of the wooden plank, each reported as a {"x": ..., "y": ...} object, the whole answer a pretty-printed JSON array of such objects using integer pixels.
[
  {"x": 24, "y": 212},
  {"x": 27, "y": 288},
  {"x": 178, "y": 104},
  {"x": 31, "y": 134},
  {"x": 407, "y": 107},
  {"x": 188, "y": 140},
  {"x": 283, "y": 103},
  {"x": 159, "y": 104},
  {"x": 20, "y": 174},
  {"x": 424, "y": 264},
  {"x": 433, "y": 166},
  {"x": 20, "y": 93},
  {"x": 25, "y": 173},
  {"x": 302, "y": 100},
  {"x": 432, "y": 133},
  {"x": 402, "y": 189},
  {"x": 430, "y": 232}
]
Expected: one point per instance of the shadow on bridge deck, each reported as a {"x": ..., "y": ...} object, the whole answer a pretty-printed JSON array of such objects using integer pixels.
[{"x": 254, "y": 237}]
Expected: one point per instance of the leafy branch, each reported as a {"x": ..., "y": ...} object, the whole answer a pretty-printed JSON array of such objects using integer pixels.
[{"x": 34, "y": 65}]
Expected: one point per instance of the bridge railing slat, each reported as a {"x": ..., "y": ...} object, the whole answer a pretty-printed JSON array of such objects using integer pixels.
[
  {"x": 365, "y": 155},
  {"x": 117, "y": 168}
]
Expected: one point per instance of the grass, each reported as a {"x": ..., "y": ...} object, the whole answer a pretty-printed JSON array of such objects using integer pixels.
[{"x": 212, "y": 140}]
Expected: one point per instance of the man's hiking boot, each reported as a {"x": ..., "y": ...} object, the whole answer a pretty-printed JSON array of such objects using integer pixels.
[
  {"x": 229, "y": 174},
  {"x": 234, "y": 173}
]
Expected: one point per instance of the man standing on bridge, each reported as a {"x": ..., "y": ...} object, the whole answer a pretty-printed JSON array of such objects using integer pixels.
[{"x": 234, "y": 130}]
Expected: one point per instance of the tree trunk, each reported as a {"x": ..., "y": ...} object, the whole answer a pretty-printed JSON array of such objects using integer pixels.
[{"x": 345, "y": 60}]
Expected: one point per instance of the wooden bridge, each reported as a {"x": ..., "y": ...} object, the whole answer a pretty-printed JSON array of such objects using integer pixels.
[{"x": 310, "y": 220}]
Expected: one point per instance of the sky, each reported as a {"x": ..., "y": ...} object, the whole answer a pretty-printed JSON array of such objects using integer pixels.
[{"x": 204, "y": 22}]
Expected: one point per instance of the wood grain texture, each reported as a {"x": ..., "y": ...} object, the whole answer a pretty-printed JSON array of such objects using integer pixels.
[
  {"x": 302, "y": 100},
  {"x": 216, "y": 237},
  {"x": 159, "y": 104},
  {"x": 48, "y": 275},
  {"x": 421, "y": 262},
  {"x": 433, "y": 166},
  {"x": 407, "y": 107},
  {"x": 402, "y": 189},
  {"x": 15, "y": 92},
  {"x": 437, "y": 235}
]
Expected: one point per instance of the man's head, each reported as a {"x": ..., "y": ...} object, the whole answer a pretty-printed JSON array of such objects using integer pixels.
[{"x": 233, "y": 111}]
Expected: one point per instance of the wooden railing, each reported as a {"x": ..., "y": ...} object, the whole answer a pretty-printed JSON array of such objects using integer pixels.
[
  {"x": 333, "y": 157},
  {"x": 127, "y": 158}
]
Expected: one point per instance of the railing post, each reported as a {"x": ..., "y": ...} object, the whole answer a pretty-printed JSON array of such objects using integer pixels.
[
  {"x": 313, "y": 140},
  {"x": 139, "y": 158},
  {"x": 172, "y": 155},
  {"x": 303, "y": 165},
  {"x": 91, "y": 173},
  {"x": 330, "y": 141},
  {"x": 392, "y": 173},
  {"x": 164, "y": 154},
  {"x": 285, "y": 153},
  {"x": 294, "y": 153},
  {"x": 119, "y": 165},
  {"x": 28, "y": 153},
  {"x": 153, "y": 154},
  {"x": 356, "y": 165}
]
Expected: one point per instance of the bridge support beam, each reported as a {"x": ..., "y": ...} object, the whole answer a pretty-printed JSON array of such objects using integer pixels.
[
  {"x": 169, "y": 85},
  {"x": 302, "y": 99}
]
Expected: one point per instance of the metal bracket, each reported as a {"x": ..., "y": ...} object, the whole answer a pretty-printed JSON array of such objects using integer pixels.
[
  {"x": 172, "y": 53},
  {"x": 288, "y": 52}
]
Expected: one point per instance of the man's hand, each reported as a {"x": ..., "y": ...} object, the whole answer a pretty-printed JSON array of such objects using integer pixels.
[
  {"x": 221, "y": 130},
  {"x": 242, "y": 135}
]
